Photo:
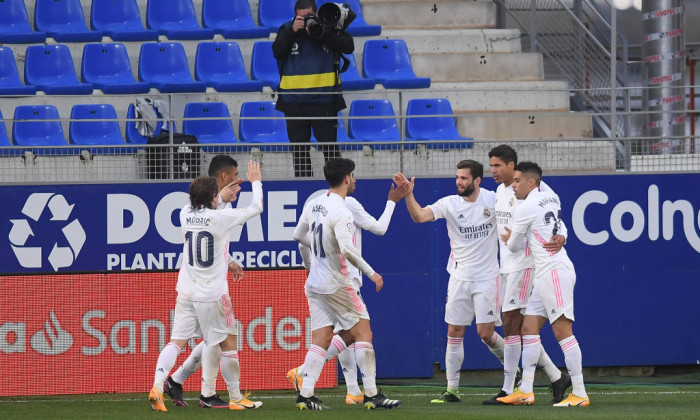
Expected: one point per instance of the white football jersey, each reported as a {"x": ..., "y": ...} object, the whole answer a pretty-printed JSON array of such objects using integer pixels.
[
  {"x": 203, "y": 272},
  {"x": 538, "y": 218},
  {"x": 365, "y": 221},
  {"x": 506, "y": 204},
  {"x": 332, "y": 228},
  {"x": 471, "y": 228}
]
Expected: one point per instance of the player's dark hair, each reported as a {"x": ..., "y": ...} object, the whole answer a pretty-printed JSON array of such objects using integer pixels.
[
  {"x": 530, "y": 169},
  {"x": 336, "y": 170},
  {"x": 504, "y": 152},
  {"x": 221, "y": 163},
  {"x": 305, "y": 4},
  {"x": 476, "y": 170},
  {"x": 202, "y": 189}
]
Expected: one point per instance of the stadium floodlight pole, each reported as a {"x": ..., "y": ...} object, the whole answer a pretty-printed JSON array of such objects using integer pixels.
[{"x": 613, "y": 73}]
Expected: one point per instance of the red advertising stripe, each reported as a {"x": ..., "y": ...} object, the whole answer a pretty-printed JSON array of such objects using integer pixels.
[{"x": 97, "y": 333}]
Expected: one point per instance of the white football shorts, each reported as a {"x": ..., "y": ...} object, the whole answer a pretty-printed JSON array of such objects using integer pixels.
[
  {"x": 553, "y": 295},
  {"x": 342, "y": 309},
  {"x": 469, "y": 299},
  {"x": 516, "y": 289},
  {"x": 213, "y": 321}
]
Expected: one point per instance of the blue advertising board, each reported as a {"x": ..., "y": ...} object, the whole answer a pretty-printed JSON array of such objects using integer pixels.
[{"x": 634, "y": 240}]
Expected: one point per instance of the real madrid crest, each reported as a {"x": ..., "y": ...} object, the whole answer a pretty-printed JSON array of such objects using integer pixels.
[{"x": 487, "y": 213}]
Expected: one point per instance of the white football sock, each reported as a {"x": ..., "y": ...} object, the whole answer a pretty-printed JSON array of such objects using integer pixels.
[
  {"x": 231, "y": 371},
  {"x": 337, "y": 345},
  {"x": 192, "y": 363},
  {"x": 531, "y": 354},
  {"x": 348, "y": 363},
  {"x": 454, "y": 356},
  {"x": 511, "y": 357},
  {"x": 496, "y": 346},
  {"x": 367, "y": 362},
  {"x": 574, "y": 363},
  {"x": 313, "y": 364},
  {"x": 166, "y": 361},
  {"x": 210, "y": 369},
  {"x": 552, "y": 372}
]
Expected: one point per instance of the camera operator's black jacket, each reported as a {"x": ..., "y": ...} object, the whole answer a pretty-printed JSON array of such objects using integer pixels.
[{"x": 306, "y": 65}]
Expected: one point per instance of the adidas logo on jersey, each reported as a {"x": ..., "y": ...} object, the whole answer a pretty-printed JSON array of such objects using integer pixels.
[
  {"x": 461, "y": 216},
  {"x": 553, "y": 311},
  {"x": 490, "y": 313},
  {"x": 512, "y": 301}
]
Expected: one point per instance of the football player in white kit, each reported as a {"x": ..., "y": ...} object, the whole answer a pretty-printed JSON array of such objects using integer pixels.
[
  {"x": 348, "y": 362},
  {"x": 330, "y": 291},
  {"x": 225, "y": 169},
  {"x": 472, "y": 290},
  {"x": 203, "y": 305},
  {"x": 537, "y": 219},
  {"x": 517, "y": 272}
]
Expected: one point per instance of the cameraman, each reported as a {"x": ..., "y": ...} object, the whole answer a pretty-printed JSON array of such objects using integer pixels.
[{"x": 307, "y": 66}]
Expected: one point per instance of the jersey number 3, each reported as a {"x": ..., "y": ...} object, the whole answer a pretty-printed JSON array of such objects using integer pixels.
[
  {"x": 200, "y": 248},
  {"x": 317, "y": 244}
]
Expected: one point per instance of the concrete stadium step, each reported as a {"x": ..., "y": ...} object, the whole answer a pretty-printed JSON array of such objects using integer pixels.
[
  {"x": 496, "y": 96},
  {"x": 424, "y": 14},
  {"x": 478, "y": 67},
  {"x": 523, "y": 125},
  {"x": 451, "y": 40}
]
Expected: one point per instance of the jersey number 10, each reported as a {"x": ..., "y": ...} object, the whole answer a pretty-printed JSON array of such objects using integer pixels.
[{"x": 200, "y": 249}]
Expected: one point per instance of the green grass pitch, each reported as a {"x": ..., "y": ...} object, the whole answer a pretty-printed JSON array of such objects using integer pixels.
[{"x": 607, "y": 402}]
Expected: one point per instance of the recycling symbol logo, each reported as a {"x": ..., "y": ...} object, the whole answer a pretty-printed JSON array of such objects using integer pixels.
[{"x": 60, "y": 211}]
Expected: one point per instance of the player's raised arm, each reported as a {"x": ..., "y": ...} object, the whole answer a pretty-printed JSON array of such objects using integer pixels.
[{"x": 418, "y": 214}]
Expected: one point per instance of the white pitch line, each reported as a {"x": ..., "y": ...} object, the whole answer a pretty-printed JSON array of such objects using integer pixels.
[{"x": 396, "y": 394}]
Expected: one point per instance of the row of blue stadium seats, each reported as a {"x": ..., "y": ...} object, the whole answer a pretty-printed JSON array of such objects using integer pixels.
[
  {"x": 210, "y": 122},
  {"x": 64, "y": 21},
  {"x": 164, "y": 66}
]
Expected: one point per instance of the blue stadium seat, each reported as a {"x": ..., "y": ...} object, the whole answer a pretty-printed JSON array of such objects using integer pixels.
[
  {"x": 175, "y": 19},
  {"x": 263, "y": 65},
  {"x": 120, "y": 20},
  {"x": 387, "y": 61},
  {"x": 351, "y": 79},
  {"x": 5, "y": 142},
  {"x": 220, "y": 65},
  {"x": 63, "y": 20},
  {"x": 358, "y": 27},
  {"x": 373, "y": 129},
  {"x": 107, "y": 67},
  {"x": 273, "y": 13},
  {"x": 164, "y": 66},
  {"x": 39, "y": 133},
  {"x": 50, "y": 68},
  {"x": 433, "y": 128},
  {"x": 132, "y": 134},
  {"x": 232, "y": 19},
  {"x": 262, "y": 130},
  {"x": 14, "y": 24},
  {"x": 96, "y": 133},
  {"x": 9, "y": 78},
  {"x": 210, "y": 130}
]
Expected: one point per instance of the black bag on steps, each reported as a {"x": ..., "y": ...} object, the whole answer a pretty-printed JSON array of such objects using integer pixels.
[{"x": 182, "y": 160}]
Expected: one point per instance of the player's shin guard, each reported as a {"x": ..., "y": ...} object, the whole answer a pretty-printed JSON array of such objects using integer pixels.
[
  {"x": 574, "y": 364},
  {"x": 511, "y": 357},
  {"x": 210, "y": 369},
  {"x": 454, "y": 356},
  {"x": 313, "y": 364},
  {"x": 190, "y": 366},
  {"x": 496, "y": 346},
  {"x": 367, "y": 361},
  {"x": 531, "y": 354},
  {"x": 348, "y": 363},
  {"x": 231, "y": 371},
  {"x": 166, "y": 361},
  {"x": 337, "y": 345}
]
